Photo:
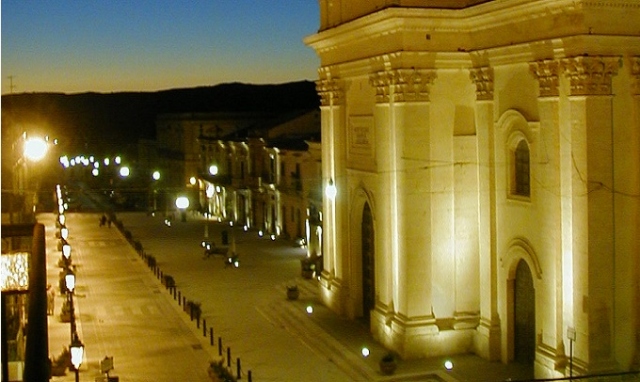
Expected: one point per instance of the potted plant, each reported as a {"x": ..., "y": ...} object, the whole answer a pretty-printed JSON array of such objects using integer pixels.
[
  {"x": 388, "y": 364},
  {"x": 292, "y": 292}
]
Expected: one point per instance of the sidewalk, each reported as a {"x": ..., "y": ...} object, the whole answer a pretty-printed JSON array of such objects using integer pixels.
[{"x": 121, "y": 310}]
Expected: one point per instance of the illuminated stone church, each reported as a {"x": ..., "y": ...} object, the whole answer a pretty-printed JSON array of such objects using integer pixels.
[{"x": 485, "y": 158}]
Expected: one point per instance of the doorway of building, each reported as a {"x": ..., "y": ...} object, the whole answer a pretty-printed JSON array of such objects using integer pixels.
[
  {"x": 524, "y": 315},
  {"x": 368, "y": 264}
]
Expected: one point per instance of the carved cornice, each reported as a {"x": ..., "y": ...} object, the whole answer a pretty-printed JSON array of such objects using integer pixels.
[
  {"x": 590, "y": 75},
  {"x": 483, "y": 79},
  {"x": 330, "y": 91},
  {"x": 403, "y": 85},
  {"x": 635, "y": 74},
  {"x": 546, "y": 72}
]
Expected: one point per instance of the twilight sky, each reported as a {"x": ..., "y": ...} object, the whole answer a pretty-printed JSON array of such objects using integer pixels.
[{"x": 74, "y": 46}]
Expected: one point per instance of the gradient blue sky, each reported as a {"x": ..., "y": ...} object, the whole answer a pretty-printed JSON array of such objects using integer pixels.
[{"x": 73, "y": 46}]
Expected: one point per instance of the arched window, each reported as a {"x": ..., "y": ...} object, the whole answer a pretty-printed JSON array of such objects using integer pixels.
[{"x": 521, "y": 170}]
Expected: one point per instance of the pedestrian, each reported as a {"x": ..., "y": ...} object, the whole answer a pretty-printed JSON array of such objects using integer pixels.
[
  {"x": 51, "y": 299},
  {"x": 103, "y": 220}
]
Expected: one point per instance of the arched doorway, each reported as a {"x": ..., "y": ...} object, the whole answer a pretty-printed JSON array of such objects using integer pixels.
[
  {"x": 368, "y": 266},
  {"x": 524, "y": 315}
]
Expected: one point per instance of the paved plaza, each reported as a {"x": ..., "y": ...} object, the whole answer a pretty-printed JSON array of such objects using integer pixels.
[{"x": 124, "y": 311}]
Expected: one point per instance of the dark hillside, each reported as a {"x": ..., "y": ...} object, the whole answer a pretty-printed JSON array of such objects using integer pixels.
[{"x": 100, "y": 121}]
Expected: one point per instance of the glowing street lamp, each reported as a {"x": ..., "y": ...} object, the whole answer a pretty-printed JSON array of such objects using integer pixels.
[
  {"x": 213, "y": 169},
  {"x": 77, "y": 354},
  {"x": 156, "y": 175},
  {"x": 182, "y": 202},
  {"x": 35, "y": 149}
]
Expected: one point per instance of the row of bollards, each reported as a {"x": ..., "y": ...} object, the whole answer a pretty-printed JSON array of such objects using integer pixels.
[{"x": 191, "y": 307}]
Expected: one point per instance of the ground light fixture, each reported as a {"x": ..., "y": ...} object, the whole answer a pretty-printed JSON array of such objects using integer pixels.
[
  {"x": 365, "y": 352},
  {"x": 309, "y": 309},
  {"x": 64, "y": 233},
  {"x": 448, "y": 364},
  {"x": 156, "y": 175}
]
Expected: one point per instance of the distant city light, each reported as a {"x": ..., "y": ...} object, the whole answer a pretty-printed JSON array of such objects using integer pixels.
[
  {"x": 213, "y": 170},
  {"x": 106, "y": 161},
  {"x": 124, "y": 171},
  {"x": 448, "y": 365},
  {"x": 156, "y": 175},
  {"x": 192, "y": 180},
  {"x": 365, "y": 352},
  {"x": 95, "y": 172},
  {"x": 117, "y": 160},
  {"x": 309, "y": 309}
]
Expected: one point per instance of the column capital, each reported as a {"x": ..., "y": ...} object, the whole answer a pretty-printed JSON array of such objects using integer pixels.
[
  {"x": 590, "y": 75},
  {"x": 331, "y": 91},
  {"x": 483, "y": 79},
  {"x": 546, "y": 72},
  {"x": 403, "y": 85}
]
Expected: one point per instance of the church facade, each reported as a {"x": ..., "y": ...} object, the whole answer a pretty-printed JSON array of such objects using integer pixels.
[{"x": 484, "y": 158}]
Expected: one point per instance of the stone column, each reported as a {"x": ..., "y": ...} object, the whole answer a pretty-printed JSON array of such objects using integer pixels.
[
  {"x": 555, "y": 209},
  {"x": 334, "y": 235},
  {"x": 590, "y": 104},
  {"x": 488, "y": 338}
]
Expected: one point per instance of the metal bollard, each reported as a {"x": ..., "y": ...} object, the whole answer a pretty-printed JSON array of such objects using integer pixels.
[
  {"x": 220, "y": 346},
  {"x": 179, "y": 298},
  {"x": 174, "y": 292},
  {"x": 211, "y": 336},
  {"x": 249, "y": 375},
  {"x": 238, "y": 367},
  {"x": 198, "y": 322},
  {"x": 228, "y": 356},
  {"x": 204, "y": 327}
]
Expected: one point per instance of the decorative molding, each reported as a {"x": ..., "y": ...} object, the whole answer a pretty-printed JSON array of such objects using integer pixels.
[
  {"x": 403, "y": 85},
  {"x": 483, "y": 79},
  {"x": 590, "y": 75},
  {"x": 635, "y": 74},
  {"x": 546, "y": 72}
]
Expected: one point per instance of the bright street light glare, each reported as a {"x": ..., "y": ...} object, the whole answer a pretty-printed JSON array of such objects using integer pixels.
[
  {"x": 35, "y": 149},
  {"x": 182, "y": 202},
  {"x": 156, "y": 175},
  {"x": 124, "y": 171}
]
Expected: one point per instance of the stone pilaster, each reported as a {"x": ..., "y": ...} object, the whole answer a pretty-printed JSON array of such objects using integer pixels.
[
  {"x": 488, "y": 333},
  {"x": 330, "y": 88},
  {"x": 403, "y": 319},
  {"x": 556, "y": 214},
  {"x": 635, "y": 75},
  {"x": 592, "y": 207}
]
